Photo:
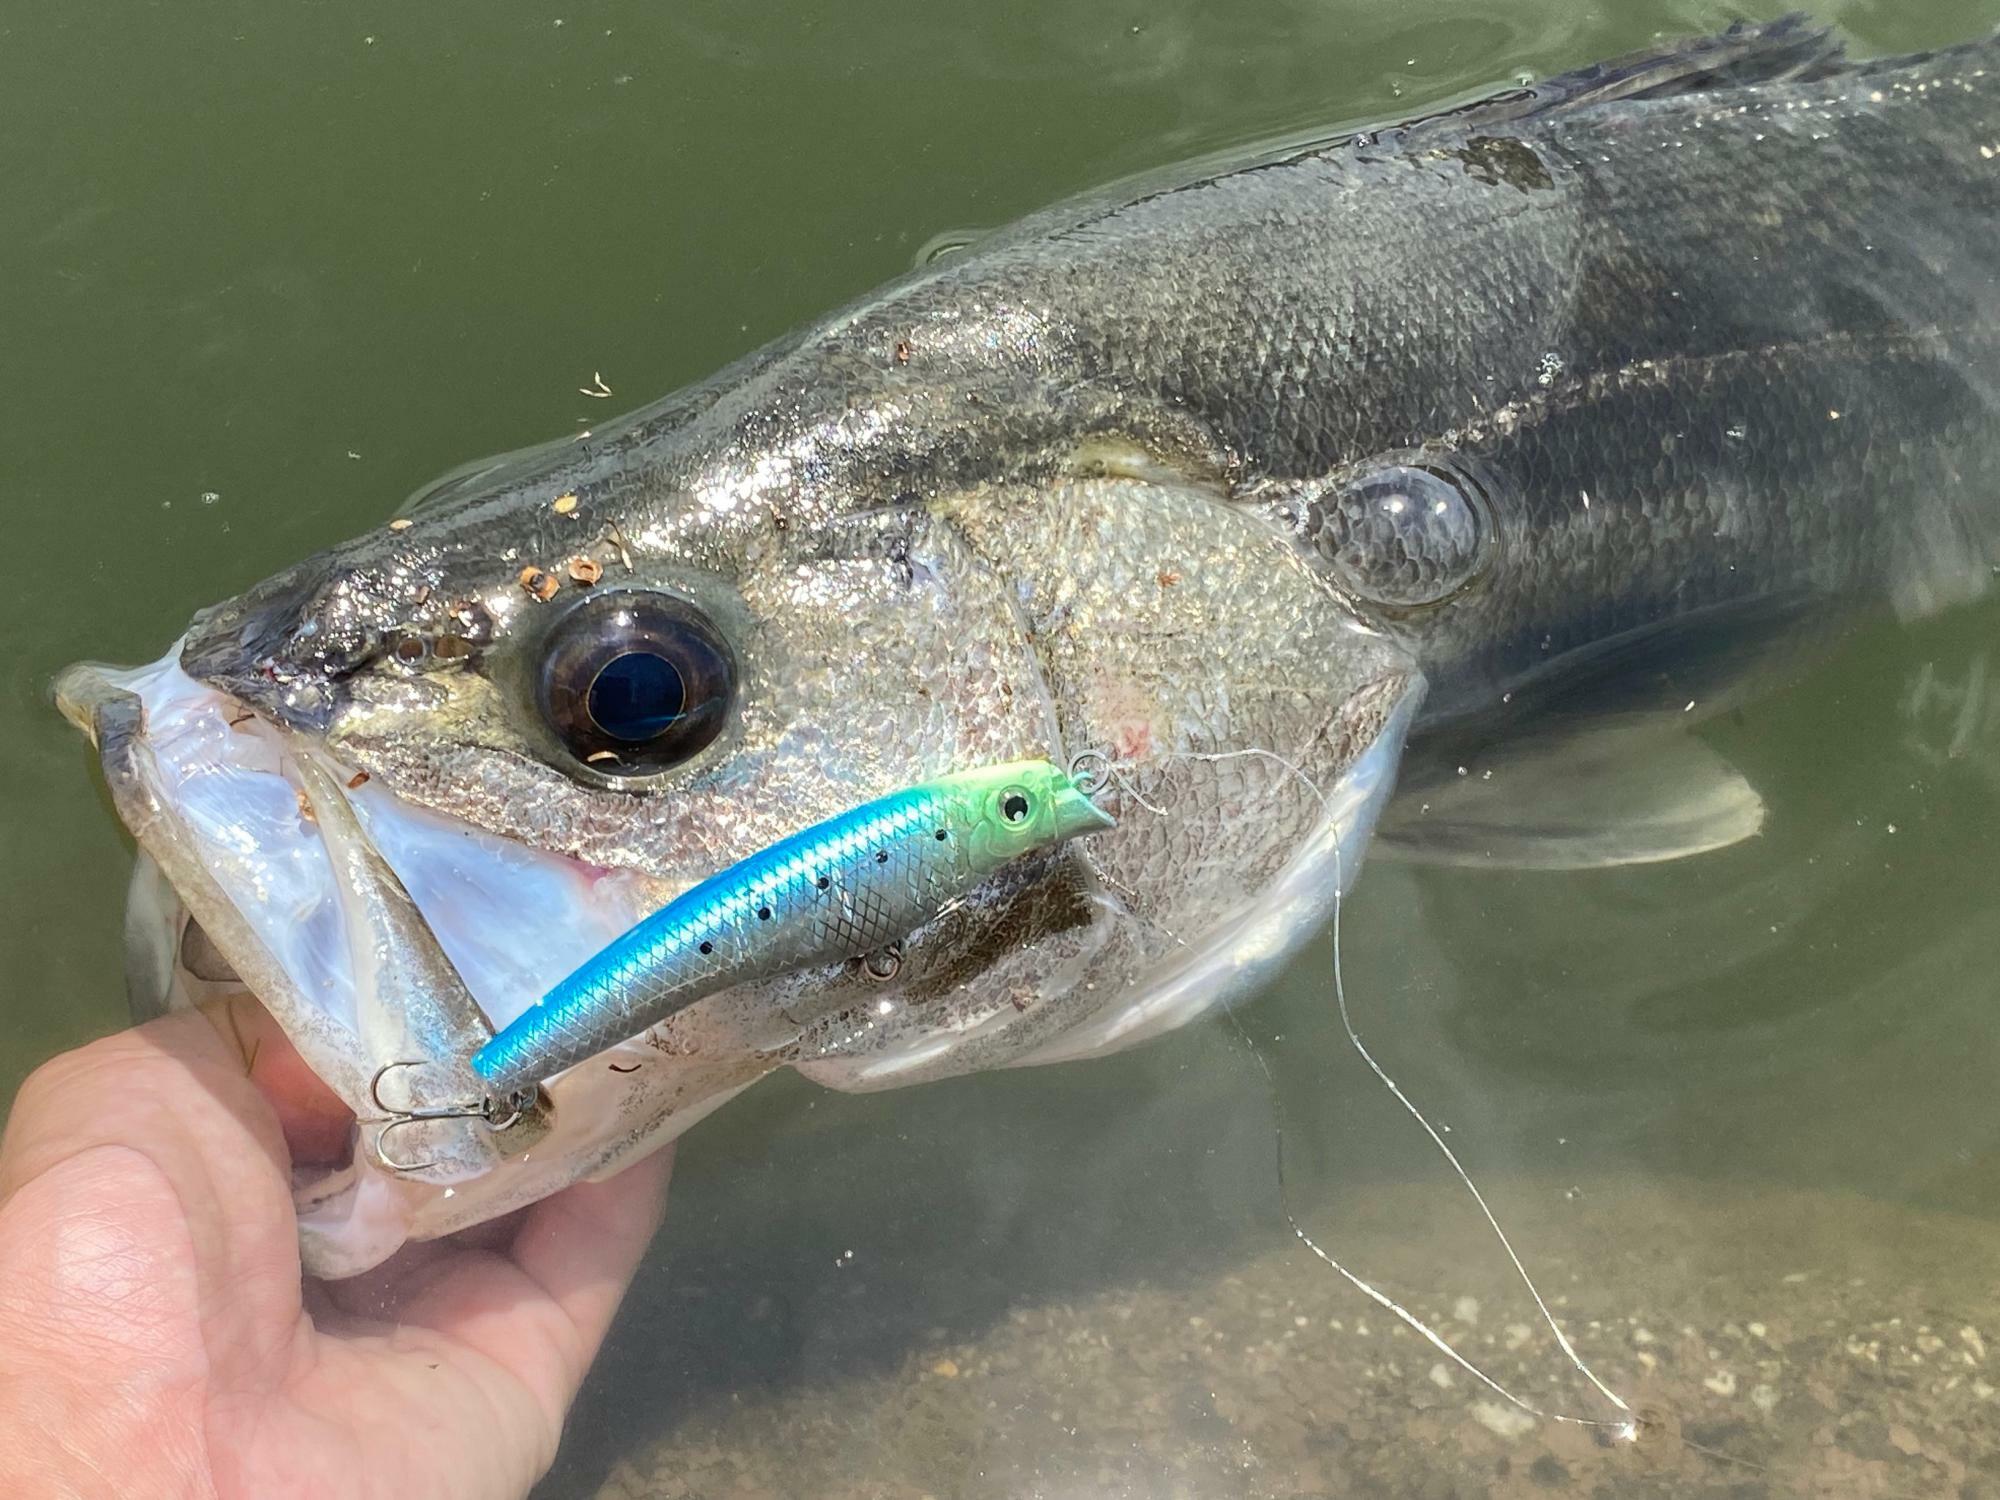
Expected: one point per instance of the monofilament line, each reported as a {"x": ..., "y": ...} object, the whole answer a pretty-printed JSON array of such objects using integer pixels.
[{"x": 1626, "y": 1427}]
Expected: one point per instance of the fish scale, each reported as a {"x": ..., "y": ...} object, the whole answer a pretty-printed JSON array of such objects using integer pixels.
[{"x": 840, "y": 889}]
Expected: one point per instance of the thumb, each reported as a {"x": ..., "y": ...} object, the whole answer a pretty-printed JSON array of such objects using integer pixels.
[{"x": 156, "y": 1143}]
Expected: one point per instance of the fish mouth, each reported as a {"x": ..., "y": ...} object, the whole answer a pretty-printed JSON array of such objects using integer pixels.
[
  {"x": 383, "y": 938},
  {"x": 251, "y": 826}
]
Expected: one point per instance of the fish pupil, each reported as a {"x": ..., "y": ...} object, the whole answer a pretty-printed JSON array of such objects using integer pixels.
[
  {"x": 636, "y": 696},
  {"x": 633, "y": 683},
  {"x": 1014, "y": 807}
]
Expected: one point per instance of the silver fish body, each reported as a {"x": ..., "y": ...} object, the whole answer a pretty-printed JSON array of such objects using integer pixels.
[{"x": 1556, "y": 412}]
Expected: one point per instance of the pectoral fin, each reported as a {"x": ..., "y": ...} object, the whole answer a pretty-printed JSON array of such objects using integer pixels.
[{"x": 1613, "y": 796}]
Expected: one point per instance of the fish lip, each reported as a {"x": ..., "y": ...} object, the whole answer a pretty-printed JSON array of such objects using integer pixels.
[
  {"x": 113, "y": 717},
  {"x": 114, "y": 720}
]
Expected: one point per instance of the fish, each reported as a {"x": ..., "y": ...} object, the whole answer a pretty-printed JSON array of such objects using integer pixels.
[
  {"x": 851, "y": 887},
  {"x": 1418, "y": 492}
]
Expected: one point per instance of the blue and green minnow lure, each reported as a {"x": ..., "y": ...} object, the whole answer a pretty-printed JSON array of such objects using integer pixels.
[{"x": 841, "y": 889}]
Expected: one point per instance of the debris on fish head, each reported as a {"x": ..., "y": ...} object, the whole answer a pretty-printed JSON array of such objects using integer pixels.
[{"x": 401, "y": 789}]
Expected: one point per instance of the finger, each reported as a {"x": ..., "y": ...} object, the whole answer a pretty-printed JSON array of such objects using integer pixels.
[
  {"x": 175, "y": 1093},
  {"x": 584, "y": 1245},
  {"x": 164, "y": 1084},
  {"x": 540, "y": 1309},
  {"x": 318, "y": 1125}
]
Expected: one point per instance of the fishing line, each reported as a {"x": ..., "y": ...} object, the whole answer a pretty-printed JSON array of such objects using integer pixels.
[{"x": 1625, "y": 1427}]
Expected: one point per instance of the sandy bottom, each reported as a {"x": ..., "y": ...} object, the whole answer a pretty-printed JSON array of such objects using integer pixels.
[{"x": 1775, "y": 1342}]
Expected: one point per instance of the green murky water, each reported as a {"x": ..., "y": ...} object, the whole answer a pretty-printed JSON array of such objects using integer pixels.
[{"x": 269, "y": 267}]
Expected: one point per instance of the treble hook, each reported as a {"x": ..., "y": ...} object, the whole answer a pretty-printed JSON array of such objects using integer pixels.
[{"x": 495, "y": 1114}]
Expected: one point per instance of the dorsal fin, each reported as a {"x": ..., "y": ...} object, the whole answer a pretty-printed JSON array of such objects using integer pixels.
[{"x": 1792, "y": 48}]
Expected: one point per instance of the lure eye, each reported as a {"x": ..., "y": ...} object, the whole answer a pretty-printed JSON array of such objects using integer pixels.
[
  {"x": 1015, "y": 805},
  {"x": 634, "y": 683}
]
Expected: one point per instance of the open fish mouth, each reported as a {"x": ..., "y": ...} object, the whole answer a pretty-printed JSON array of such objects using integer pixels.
[
  {"x": 189, "y": 767},
  {"x": 391, "y": 941},
  {"x": 387, "y": 941}
]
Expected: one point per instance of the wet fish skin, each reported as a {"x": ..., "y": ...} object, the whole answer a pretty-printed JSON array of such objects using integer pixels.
[
  {"x": 1668, "y": 306},
  {"x": 1724, "y": 358},
  {"x": 1707, "y": 344}
]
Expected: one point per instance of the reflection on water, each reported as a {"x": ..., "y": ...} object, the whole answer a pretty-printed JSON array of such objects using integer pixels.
[{"x": 1736, "y": 1113}]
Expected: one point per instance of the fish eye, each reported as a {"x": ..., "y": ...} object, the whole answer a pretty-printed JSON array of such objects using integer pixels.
[
  {"x": 635, "y": 683},
  {"x": 1015, "y": 805}
]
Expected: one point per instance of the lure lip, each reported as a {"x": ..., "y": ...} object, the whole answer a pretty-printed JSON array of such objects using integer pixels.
[
  {"x": 1077, "y": 815},
  {"x": 1072, "y": 811}
]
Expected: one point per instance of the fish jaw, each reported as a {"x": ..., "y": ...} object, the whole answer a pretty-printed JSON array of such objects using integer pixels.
[{"x": 341, "y": 911}]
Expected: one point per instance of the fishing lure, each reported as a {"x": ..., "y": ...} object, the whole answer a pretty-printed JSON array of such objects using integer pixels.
[{"x": 841, "y": 889}]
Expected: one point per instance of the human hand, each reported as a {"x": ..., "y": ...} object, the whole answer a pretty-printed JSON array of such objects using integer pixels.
[{"x": 156, "y": 1338}]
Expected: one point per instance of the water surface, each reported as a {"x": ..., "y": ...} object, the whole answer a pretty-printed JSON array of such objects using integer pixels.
[{"x": 269, "y": 267}]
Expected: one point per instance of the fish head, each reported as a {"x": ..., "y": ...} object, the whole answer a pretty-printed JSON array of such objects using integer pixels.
[{"x": 402, "y": 789}]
